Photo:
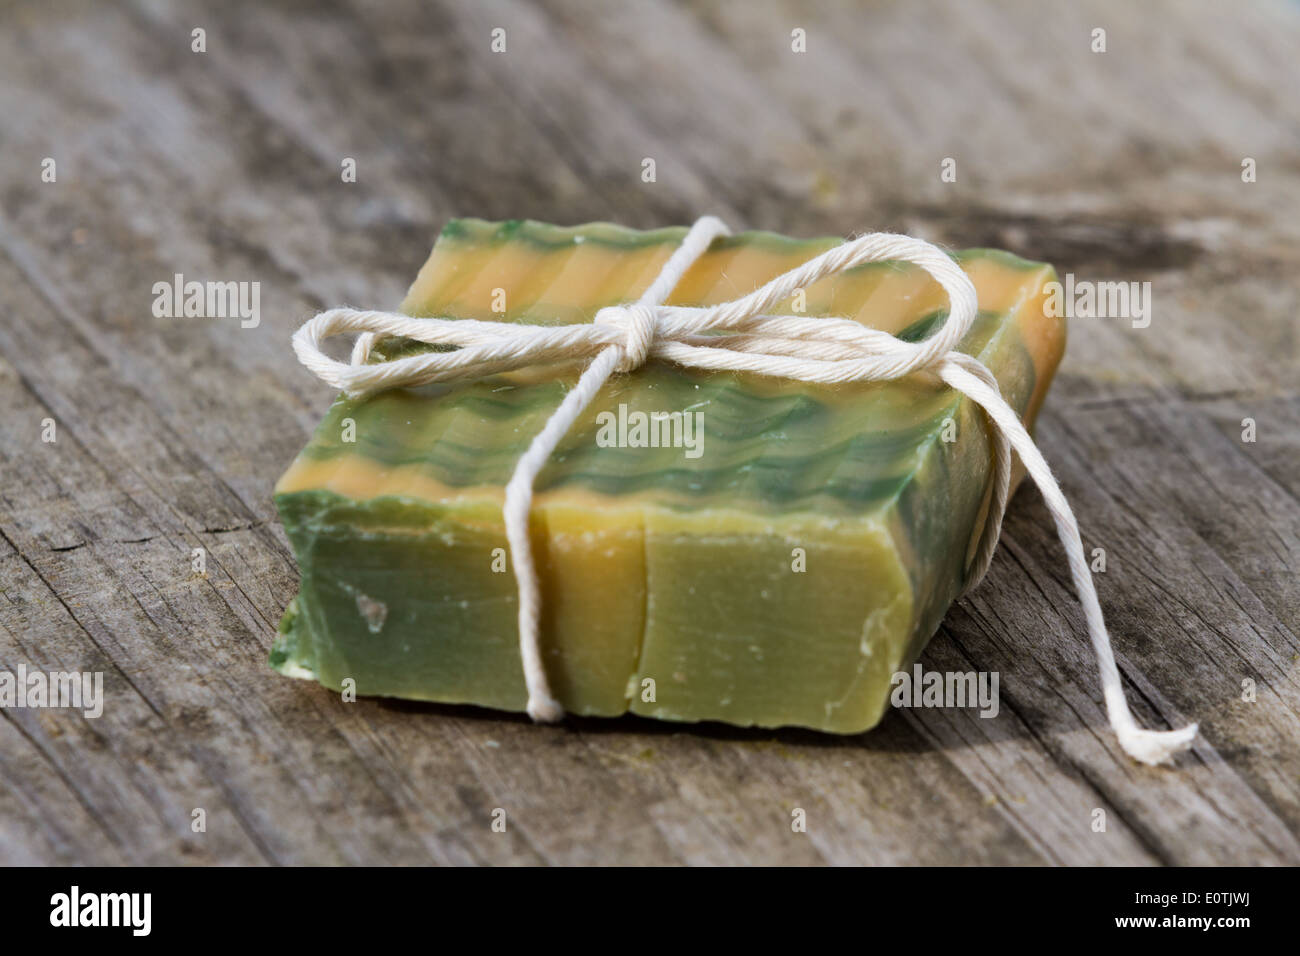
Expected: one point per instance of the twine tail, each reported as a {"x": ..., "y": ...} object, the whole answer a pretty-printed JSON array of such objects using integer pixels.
[
  {"x": 542, "y": 705},
  {"x": 1147, "y": 746}
]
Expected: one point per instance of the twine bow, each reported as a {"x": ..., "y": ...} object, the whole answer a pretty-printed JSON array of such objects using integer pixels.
[{"x": 737, "y": 336}]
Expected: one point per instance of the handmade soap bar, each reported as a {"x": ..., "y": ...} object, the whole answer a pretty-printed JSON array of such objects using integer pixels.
[{"x": 711, "y": 546}]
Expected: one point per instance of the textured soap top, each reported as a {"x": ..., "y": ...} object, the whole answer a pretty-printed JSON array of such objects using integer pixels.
[{"x": 767, "y": 444}]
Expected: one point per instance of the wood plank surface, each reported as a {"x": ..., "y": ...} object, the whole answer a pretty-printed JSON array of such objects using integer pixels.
[{"x": 225, "y": 165}]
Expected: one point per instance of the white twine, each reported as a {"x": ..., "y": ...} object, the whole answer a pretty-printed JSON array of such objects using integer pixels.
[{"x": 801, "y": 348}]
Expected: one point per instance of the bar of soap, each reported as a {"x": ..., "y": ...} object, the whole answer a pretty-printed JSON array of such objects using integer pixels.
[{"x": 775, "y": 565}]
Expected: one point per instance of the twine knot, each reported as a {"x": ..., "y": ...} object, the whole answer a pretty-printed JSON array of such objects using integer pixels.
[
  {"x": 736, "y": 336},
  {"x": 638, "y": 323}
]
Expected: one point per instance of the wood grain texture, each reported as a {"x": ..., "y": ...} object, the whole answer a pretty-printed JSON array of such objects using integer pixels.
[{"x": 171, "y": 432}]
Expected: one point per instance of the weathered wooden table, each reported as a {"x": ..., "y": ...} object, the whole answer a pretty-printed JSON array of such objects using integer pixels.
[{"x": 169, "y": 433}]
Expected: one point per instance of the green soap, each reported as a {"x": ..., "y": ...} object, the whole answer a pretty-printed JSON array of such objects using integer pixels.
[{"x": 776, "y": 572}]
